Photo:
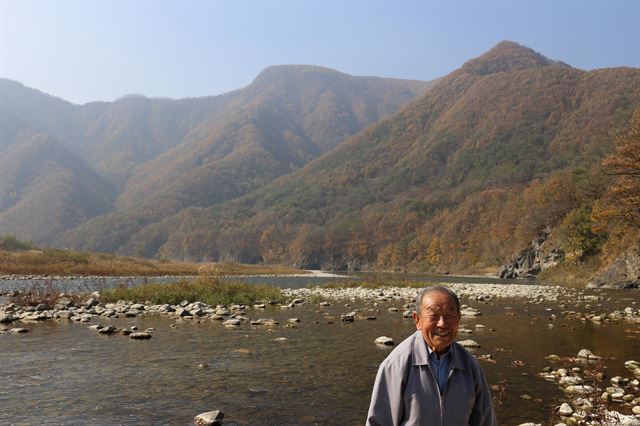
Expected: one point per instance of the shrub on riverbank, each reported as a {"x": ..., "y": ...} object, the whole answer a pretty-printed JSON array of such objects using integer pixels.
[
  {"x": 207, "y": 289},
  {"x": 10, "y": 243}
]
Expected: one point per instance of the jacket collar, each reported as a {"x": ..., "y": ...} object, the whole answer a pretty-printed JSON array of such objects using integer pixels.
[{"x": 421, "y": 353}]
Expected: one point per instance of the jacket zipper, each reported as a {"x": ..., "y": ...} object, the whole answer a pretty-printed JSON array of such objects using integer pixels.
[{"x": 440, "y": 395}]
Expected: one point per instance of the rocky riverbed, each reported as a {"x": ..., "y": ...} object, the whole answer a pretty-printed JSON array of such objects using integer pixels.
[{"x": 590, "y": 398}]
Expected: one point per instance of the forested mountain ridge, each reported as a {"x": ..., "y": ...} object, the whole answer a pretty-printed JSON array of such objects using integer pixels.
[
  {"x": 501, "y": 149},
  {"x": 506, "y": 148},
  {"x": 163, "y": 155}
]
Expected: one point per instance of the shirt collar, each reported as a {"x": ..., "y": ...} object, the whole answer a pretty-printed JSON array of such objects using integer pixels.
[{"x": 433, "y": 355}]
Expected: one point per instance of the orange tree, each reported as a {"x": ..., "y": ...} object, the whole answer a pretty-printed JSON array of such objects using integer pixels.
[{"x": 620, "y": 205}]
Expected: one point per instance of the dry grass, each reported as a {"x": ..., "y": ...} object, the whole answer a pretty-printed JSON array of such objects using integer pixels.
[{"x": 76, "y": 263}]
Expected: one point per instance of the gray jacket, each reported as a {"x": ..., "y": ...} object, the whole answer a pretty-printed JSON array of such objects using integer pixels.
[{"x": 406, "y": 392}]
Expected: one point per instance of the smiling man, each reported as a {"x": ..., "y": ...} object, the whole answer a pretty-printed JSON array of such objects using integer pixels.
[{"x": 429, "y": 379}]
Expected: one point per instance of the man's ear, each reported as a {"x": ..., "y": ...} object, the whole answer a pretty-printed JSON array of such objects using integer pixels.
[{"x": 416, "y": 319}]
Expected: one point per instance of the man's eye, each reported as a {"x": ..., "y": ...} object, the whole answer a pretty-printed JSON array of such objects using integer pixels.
[{"x": 434, "y": 317}]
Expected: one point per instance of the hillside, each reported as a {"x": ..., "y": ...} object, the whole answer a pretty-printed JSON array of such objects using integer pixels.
[
  {"x": 288, "y": 116},
  {"x": 499, "y": 150},
  {"x": 45, "y": 189},
  {"x": 111, "y": 137}
]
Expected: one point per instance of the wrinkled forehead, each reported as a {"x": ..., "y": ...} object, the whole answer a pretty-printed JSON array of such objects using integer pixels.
[
  {"x": 440, "y": 308},
  {"x": 438, "y": 303}
]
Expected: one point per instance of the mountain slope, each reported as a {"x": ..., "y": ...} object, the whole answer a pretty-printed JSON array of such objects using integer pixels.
[
  {"x": 45, "y": 189},
  {"x": 498, "y": 150},
  {"x": 112, "y": 137},
  {"x": 288, "y": 116}
]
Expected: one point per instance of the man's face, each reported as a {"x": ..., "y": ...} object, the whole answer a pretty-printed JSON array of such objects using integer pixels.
[{"x": 438, "y": 321}]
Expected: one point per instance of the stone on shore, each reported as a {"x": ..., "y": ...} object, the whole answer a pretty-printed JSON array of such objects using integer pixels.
[
  {"x": 6, "y": 317},
  {"x": 209, "y": 418},
  {"x": 587, "y": 354},
  {"x": 18, "y": 330},
  {"x": 565, "y": 410},
  {"x": 469, "y": 343},
  {"x": 579, "y": 390}
]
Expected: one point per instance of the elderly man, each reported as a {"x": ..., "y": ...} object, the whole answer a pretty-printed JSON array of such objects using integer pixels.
[{"x": 429, "y": 379}]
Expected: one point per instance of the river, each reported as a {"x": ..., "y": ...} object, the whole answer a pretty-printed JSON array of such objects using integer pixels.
[{"x": 65, "y": 373}]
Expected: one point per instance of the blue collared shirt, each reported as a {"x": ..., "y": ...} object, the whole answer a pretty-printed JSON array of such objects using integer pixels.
[{"x": 440, "y": 367}]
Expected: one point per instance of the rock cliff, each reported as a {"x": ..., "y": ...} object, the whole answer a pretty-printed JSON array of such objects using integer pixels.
[
  {"x": 624, "y": 272},
  {"x": 533, "y": 259}
]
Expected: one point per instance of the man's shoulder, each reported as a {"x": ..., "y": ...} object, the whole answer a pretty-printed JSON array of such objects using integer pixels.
[{"x": 402, "y": 353}]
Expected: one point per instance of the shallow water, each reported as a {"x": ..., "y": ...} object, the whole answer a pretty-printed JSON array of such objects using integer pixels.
[{"x": 64, "y": 373}]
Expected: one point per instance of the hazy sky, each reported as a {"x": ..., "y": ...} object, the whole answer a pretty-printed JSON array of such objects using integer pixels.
[{"x": 88, "y": 50}]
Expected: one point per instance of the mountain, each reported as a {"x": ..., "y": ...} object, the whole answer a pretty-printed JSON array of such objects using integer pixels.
[
  {"x": 45, "y": 189},
  {"x": 498, "y": 151},
  {"x": 111, "y": 137},
  {"x": 164, "y": 155},
  {"x": 288, "y": 116}
]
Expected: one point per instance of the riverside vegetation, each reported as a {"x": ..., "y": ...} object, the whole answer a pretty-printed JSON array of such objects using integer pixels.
[{"x": 23, "y": 258}]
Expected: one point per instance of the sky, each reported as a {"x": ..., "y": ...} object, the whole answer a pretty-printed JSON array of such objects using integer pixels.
[{"x": 84, "y": 51}]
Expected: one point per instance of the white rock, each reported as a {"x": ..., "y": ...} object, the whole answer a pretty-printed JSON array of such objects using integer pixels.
[
  {"x": 579, "y": 389},
  {"x": 209, "y": 418},
  {"x": 469, "y": 343},
  {"x": 587, "y": 354},
  {"x": 615, "y": 418},
  {"x": 384, "y": 340},
  {"x": 565, "y": 410},
  {"x": 570, "y": 380}
]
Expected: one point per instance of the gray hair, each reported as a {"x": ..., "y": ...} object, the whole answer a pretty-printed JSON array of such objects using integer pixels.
[{"x": 436, "y": 289}]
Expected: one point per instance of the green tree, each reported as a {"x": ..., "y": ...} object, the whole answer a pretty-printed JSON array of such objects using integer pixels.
[{"x": 581, "y": 240}]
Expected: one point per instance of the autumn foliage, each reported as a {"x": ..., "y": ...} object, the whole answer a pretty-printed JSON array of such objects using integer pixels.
[{"x": 620, "y": 206}]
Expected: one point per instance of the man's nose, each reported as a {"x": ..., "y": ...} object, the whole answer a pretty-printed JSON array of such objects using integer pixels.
[{"x": 441, "y": 321}]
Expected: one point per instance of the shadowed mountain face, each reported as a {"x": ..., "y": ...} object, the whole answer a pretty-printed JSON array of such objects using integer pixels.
[
  {"x": 45, "y": 189},
  {"x": 164, "y": 155},
  {"x": 501, "y": 148}
]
